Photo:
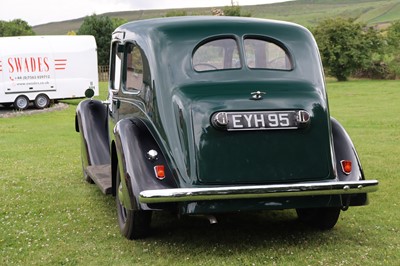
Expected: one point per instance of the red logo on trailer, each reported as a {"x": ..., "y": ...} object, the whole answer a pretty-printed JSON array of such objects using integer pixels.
[
  {"x": 60, "y": 64},
  {"x": 28, "y": 64}
]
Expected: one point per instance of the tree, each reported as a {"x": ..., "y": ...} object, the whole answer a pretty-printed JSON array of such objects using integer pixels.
[
  {"x": 393, "y": 48},
  {"x": 234, "y": 10},
  {"x": 16, "y": 27},
  {"x": 118, "y": 22},
  {"x": 393, "y": 36},
  {"x": 101, "y": 27},
  {"x": 346, "y": 46}
]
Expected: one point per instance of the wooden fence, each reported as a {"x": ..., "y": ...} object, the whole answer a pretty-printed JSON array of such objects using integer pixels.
[{"x": 103, "y": 73}]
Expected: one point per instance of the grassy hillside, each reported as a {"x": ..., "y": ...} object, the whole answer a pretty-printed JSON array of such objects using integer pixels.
[{"x": 304, "y": 12}]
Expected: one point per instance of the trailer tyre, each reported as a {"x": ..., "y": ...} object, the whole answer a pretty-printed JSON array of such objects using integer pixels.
[
  {"x": 21, "y": 102},
  {"x": 42, "y": 101}
]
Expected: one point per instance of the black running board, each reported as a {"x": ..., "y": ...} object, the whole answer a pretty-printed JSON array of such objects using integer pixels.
[{"x": 101, "y": 175}]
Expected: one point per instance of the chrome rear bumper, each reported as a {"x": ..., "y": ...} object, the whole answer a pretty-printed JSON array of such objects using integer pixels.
[{"x": 259, "y": 191}]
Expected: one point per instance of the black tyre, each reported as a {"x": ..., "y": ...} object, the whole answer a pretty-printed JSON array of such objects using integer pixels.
[
  {"x": 321, "y": 218},
  {"x": 134, "y": 224},
  {"x": 42, "y": 101},
  {"x": 21, "y": 102}
]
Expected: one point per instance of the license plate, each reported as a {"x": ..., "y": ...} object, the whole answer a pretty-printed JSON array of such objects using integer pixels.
[{"x": 263, "y": 120}]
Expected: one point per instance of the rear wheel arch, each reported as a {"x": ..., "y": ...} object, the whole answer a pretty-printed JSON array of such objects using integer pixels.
[
  {"x": 133, "y": 140},
  {"x": 345, "y": 150}
]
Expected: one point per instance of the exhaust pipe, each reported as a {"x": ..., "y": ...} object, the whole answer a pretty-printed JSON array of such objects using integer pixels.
[{"x": 211, "y": 219}]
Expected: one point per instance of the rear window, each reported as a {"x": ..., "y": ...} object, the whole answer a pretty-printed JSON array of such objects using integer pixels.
[
  {"x": 264, "y": 54},
  {"x": 221, "y": 54},
  {"x": 217, "y": 55}
]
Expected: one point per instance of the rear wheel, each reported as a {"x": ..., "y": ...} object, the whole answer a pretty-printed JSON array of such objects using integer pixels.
[
  {"x": 321, "y": 218},
  {"x": 42, "y": 101},
  {"x": 21, "y": 102},
  {"x": 134, "y": 224}
]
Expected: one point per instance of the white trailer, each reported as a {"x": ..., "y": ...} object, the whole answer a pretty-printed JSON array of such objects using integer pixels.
[{"x": 42, "y": 68}]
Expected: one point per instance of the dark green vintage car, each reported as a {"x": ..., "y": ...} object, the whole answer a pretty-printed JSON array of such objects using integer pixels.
[{"x": 207, "y": 115}]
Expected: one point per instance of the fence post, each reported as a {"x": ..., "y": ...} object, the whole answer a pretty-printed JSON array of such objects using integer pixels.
[{"x": 103, "y": 73}]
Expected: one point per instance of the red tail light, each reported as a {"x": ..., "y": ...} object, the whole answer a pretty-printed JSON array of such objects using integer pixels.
[
  {"x": 346, "y": 166},
  {"x": 159, "y": 171}
]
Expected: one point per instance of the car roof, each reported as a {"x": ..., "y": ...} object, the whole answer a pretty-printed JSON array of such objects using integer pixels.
[
  {"x": 170, "y": 42},
  {"x": 187, "y": 26}
]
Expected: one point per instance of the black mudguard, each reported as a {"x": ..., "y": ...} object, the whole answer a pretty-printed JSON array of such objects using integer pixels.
[
  {"x": 91, "y": 122},
  {"x": 133, "y": 140},
  {"x": 345, "y": 150}
]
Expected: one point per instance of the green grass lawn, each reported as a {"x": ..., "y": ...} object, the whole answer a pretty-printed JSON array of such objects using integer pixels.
[{"x": 50, "y": 216}]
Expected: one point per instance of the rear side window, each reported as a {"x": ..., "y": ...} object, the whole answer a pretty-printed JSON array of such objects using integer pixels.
[
  {"x": 263, "y": 54},
  {"x": 134, "y": 69},
  {"x": 217, "y": 55}
]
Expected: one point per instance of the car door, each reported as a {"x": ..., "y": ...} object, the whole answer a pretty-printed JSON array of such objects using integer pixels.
[{"x": 131, "y": 95}]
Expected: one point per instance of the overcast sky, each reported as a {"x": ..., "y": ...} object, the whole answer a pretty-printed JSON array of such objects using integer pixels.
[{"x": 37, "y": 12}]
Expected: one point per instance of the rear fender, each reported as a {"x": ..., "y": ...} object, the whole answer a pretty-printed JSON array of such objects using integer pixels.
[
  {"x": 345, "y": 150},
  {"x": 132, "y": 142},
  {"x": 91, "y": 123}
]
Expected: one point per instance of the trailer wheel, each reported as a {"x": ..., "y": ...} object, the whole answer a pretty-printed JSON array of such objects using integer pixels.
[
  {"x": 134, "y": 224},
  {"x": 42, "y": 101},
  {"x": 21, "y": 102}
]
